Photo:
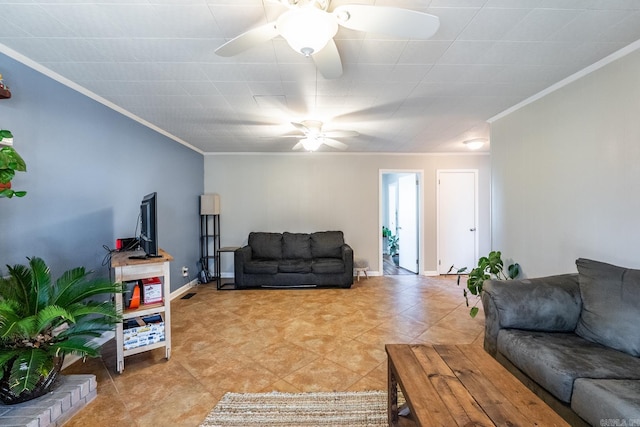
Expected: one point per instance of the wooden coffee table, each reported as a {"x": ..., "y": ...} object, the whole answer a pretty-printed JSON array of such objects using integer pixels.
[{"x": 460, "y": 385}]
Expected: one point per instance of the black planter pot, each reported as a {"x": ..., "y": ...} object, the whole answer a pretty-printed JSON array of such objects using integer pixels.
[{"x": 45, "y": 384}]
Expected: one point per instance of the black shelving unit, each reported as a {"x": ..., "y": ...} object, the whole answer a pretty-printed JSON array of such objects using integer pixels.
[{"x": 209, "y": 246}]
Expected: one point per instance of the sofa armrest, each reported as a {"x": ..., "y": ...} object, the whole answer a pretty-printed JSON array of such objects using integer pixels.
[
  {"x": 347, "y": 258},
  {"x": 240, "y": 257},
  {"x": 550, "y": 304}
]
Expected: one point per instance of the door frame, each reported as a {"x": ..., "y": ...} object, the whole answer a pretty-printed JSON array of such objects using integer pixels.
[
  {"x": 476, "y": 219},
  {"x": 420, "y": 205}
]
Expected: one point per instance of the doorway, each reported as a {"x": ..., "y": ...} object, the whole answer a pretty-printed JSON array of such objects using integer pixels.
[
  {"x": 400, "y": 218},
  {"x": 457, "y": 219}
]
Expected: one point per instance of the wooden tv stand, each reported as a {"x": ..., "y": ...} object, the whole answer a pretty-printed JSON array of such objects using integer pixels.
[{"x": 128, "y": 269}]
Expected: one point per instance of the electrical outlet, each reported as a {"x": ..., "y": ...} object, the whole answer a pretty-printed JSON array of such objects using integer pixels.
[{"x": 185, "y": 271}]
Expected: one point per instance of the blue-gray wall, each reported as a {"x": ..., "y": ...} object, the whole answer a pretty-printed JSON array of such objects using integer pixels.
[{"x": 88, "y": 169}]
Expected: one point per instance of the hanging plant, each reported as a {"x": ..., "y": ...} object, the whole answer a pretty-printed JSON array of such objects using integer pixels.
[{"x": 10, "y": 162}]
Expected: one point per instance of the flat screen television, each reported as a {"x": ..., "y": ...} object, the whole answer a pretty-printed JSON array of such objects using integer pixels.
[{"x": 149, "y": 229}]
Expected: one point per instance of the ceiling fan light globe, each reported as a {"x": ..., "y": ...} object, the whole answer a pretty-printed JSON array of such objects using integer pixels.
[
  {"x": 311, "y": 144},
  {"x": 307, "y": 30}
]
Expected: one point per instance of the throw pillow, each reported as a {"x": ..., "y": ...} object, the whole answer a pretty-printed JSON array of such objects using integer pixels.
[{"x": 610, "y": 305}]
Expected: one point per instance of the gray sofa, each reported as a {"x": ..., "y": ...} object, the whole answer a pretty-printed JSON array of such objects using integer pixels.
[
  {"x": 294, "y": 259},
  {"x": 574, "y": 339}
]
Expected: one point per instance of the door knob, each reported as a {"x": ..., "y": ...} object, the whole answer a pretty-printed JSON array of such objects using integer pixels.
[{"x": 472, "y": 229}]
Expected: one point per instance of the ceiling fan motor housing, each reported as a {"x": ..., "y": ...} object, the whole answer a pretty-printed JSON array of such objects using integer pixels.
[{"x": 321, "y": 4}]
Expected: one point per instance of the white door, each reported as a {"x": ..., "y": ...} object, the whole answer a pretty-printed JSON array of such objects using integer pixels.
[
  {"x": 408, "y": 221},
  {"x": 457, "y": 216}
]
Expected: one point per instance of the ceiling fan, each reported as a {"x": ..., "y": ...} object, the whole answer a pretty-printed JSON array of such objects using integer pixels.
[
  {"x": 313, "y": 136},
  {"x": 309, "y": 28}
]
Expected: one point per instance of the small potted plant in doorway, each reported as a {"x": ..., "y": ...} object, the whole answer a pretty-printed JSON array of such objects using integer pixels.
[
  {"x": 42, "y": 320},
  {"x": 386, "y": 233},
  {"x": 394, "y": 249}
]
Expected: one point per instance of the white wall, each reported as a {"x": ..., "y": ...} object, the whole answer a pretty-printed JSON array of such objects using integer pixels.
[
  {"x": 305, "y": 192},
  {"x": 566, "y": 174}
]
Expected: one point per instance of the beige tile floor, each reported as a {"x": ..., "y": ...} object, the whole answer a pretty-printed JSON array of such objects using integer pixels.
[{"x": 263, "y": 340}]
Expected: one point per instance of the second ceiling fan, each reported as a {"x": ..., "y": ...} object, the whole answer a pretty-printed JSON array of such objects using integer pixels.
[
  {"x": 309, "y": 28},
  {"x": 313, "y": 136}
]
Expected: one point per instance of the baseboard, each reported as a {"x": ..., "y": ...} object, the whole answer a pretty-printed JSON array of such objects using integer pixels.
[
  {"x": 431, "y": 273},
  {"x": 183, "y": 289}
]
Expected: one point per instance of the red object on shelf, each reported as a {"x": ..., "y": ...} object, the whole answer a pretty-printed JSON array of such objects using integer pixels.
[{"x": 151, "y": 290}]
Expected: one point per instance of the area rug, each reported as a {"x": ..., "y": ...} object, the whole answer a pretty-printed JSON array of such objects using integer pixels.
[{"x": 352, "y": 409}]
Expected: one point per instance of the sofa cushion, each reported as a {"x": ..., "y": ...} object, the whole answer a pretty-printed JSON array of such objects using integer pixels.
[
  {"x": 598, "y": 400},
  {"x": 550, "y": 304},
  {"x": 294, "y": 266},
  {"x": 555, "y": 359},
  {"x": 327, "y": 266},
  {"x": 296, "y": 246},
  {"x": 327, "y": 244},
  {"x": 266, "y": 245},
  {"x": 261, "y": 267},
  {"x": 610, "y": 305}
]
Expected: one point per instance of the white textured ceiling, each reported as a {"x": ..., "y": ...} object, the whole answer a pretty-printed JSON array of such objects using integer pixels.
[{"x": 156, "y": 60}]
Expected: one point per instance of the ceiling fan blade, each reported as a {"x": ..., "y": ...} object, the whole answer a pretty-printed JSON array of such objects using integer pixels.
[
  {"x": 248, "y": 40},
  {"x": 298, "y": 146},
  {"x": 328, "y": 61},
  {"x": 393, "y": 21},
  {"x": 340, "y": 133},
  {"x": 280, "y": 136},
  {"x": 334, "y": 143},
  {"x": 300, "y": 126}
]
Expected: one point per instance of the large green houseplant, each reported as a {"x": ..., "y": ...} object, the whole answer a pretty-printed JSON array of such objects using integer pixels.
[
  {"x": 10, "y": 162},
  {"x": 489, "y": 267},
  {"x": 41, "y": 321}
]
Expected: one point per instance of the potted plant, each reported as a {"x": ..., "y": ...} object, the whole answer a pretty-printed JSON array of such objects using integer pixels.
[
  {"x": 10, "y": 162},
  {"x": 394, "y": 247},
  {"x": 41, "y": 321},
  {"x": 386, "y": 233},
  {"x": 489, "y": 267}
]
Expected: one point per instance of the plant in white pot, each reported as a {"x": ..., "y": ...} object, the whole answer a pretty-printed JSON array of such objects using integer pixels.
[{"x": 42, "y": 320}]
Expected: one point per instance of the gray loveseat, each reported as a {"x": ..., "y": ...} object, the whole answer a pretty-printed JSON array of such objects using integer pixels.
[
  {"x": 294, "y": 259},
  {"x": 574, "y": 339}
]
